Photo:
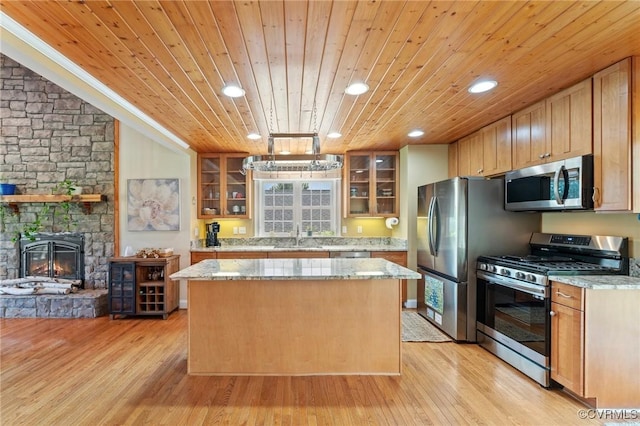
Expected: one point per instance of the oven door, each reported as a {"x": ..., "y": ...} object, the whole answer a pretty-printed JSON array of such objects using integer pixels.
[{"x": 513, "y": 322}]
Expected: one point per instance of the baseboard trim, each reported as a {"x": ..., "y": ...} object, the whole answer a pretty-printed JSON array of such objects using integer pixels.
[{"x": 183, "y": 304}]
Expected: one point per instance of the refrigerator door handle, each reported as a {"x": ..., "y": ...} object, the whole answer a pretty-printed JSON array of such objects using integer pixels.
[
  {"x": 434, "y": 227},
  {"x": 430, "y": 225}
]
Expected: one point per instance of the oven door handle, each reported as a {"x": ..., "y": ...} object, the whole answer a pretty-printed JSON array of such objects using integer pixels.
[{"x": 532, "y": 289}]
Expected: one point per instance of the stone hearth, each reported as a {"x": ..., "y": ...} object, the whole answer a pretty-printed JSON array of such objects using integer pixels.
[{"x": 83, "y": 304}]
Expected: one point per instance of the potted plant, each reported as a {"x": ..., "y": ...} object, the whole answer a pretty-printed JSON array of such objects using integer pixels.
[{"x": 6, "y": 188}]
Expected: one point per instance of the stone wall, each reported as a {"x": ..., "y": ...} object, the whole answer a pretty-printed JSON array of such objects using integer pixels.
[{"x": 48, "y": 135}]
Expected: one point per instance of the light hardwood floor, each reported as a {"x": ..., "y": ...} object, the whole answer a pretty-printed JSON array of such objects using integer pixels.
[{"x": 133, "y": 371}]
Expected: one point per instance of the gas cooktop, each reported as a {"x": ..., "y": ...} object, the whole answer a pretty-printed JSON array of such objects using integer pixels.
[{"x": 557, "y": 254}]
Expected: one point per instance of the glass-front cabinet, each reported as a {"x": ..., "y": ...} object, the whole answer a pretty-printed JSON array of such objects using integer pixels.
[
  {"x": 372, "y": 186},
  {"x": 223, "y": 189}
]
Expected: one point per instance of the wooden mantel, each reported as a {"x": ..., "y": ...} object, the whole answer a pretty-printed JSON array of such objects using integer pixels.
[{"x": 84, "y": 199}]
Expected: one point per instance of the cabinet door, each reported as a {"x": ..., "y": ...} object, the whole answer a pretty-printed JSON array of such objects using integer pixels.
[
  {"x": 567, "y": 347},
  {"x": 612, "y": 138},
  {"x": 496, "y": 147},
  {"x": 387, "y": 184},
  {"x": 242, "y": 255},
  {"x": 237, "y": 189},
  {"x": 298, "y": 254},
  {"x": 470, "y": 155},
  {"x": 399, "y": 257},
  {"x": 453, "y": 160},
  {"x": 209, "y": 186},
  {"x": 569, "y": 120},
  {"x": 197, "y": 256},
  {"x": 359, "y": 187},
  {"x": 529, "y": 144},
  {"x": 122, "y": 288}
]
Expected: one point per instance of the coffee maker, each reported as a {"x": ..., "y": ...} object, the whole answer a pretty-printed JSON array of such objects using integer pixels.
[{"x": 212, "y": 234}]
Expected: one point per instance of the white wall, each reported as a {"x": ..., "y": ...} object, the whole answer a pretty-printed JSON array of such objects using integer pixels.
[
  {"x": 419, "y": 165},
  {"x": 143, "y": 158}
]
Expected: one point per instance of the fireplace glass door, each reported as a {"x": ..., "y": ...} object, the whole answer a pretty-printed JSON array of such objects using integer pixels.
[{"x": 53, "y": 258}]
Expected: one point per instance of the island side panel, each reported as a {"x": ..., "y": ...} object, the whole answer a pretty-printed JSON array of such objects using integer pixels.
[{"x": 288, "y": 327}]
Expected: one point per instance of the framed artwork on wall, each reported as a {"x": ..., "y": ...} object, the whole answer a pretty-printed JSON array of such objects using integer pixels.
[{"x": 153, "y": 204}]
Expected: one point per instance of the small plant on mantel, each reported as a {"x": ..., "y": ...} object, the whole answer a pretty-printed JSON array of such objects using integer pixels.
[{"x": 66, "y": 187}]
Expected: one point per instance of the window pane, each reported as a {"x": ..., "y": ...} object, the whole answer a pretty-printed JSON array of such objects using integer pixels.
[{"x": 311, "y": 204}]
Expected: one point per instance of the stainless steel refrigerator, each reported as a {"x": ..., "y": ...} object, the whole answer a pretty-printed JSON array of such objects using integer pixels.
[{"x": 458, "y": 220}]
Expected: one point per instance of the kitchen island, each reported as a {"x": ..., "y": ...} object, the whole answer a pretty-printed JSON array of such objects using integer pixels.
[{"x": 294, "y": 316}]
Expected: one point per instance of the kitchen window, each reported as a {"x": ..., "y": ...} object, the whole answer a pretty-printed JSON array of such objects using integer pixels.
[{"x": 285, "y": 206}]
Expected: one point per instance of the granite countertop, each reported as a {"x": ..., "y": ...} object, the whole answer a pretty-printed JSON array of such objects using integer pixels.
[
  {"x": 310, "y": 244},
  {"x": 294, "y": 269},
  {"x": 600, "y": 282}
]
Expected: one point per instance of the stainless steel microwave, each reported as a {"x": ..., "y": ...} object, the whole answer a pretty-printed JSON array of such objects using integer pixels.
[{"x": 561, "y": 185}]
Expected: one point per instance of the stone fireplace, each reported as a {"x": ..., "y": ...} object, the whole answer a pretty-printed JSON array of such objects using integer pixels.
[
  {"x": 50, "y": 135},
  {"x": 53, "y": 255}
]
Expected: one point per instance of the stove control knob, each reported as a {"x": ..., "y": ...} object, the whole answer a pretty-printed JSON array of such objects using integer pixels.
[
  {"x": 482, "y": 266},
  {"x": 520, "y": 275},
  {"x": 492, "y": 268},
  {"x": 506, "y": 272},
  {"x": 531, "y": 278}
]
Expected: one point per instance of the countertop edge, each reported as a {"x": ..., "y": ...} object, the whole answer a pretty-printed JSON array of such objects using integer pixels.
[
  {"x": 599, "y": 282},
  {"x": 294, "y": 269}
]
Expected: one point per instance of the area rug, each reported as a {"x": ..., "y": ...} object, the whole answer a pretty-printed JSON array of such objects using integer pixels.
[{"x": 417, "y": 329}]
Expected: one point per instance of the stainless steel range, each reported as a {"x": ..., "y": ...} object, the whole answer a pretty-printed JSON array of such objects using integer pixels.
[{"x": 513, "y": 311}]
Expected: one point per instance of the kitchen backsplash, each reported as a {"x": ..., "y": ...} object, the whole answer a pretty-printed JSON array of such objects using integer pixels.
[{"x": 398, "y": 243}]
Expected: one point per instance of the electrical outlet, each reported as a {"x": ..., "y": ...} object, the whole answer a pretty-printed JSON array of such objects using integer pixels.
[
  {"x": 359, "y": 229},
  {"x": 242, "y": 230},
  {"x": 344, "y": 228},
  {"x": 235, "y": 230}
]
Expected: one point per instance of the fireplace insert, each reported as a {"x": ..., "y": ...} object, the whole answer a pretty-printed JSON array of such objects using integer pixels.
[{"x": 53, "y": 255}]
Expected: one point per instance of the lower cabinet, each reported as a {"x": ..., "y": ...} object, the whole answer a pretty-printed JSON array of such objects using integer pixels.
[
  {"x": 141, "y": 286},
  {"x": 595, "y": 342},
  {"x": 398, "y": 257}
]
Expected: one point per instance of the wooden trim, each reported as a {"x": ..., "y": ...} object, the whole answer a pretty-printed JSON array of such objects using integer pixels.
[
  {"x": 116, "y": 187},
  {"x": 635, "y": 128}
]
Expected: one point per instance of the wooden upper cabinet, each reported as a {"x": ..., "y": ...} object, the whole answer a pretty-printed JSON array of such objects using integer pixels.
[
  {"x": 223, "y": 191},
  {"x": 486, "y": 152},
  {"x": 568, "y": 122},
  {"x": 528, "y": 136},
  {"x": 612, "y": 137},
  {"x": 496, "y": 147},
  {"x": 470, "y": 155},
  {"x": 453, "y": 159},
  {"x": 556, "y": 128},
  {"x": 372, "y": 184}
]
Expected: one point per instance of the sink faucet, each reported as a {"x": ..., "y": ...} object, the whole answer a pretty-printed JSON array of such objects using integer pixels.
[{"x": 297, "y": 234}]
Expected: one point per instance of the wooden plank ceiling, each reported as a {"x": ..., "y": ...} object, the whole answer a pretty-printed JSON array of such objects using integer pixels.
[{"x": 295, "y": 59}]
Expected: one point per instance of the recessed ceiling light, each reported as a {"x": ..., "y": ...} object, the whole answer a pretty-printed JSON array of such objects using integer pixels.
[
  {"x": 253, "y": 136},
  {"x": 334, "y": 135},
  {"x": 415, "y": 133},
  {"x": 233, "y": 91},
  {"x": 483, "y": 86},
  {"x": 356, "y": 89}
]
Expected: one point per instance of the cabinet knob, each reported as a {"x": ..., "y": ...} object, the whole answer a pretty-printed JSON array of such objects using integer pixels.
[
  {"x": 547, "y": 154},
  {"x": 541, "y": 156},
  {"x": 551, "y": 313},
  {"x": 480, "y": 171}
]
